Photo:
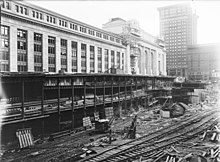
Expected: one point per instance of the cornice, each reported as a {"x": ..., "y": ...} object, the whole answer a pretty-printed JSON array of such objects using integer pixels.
[{"x": 57, "y": 28}]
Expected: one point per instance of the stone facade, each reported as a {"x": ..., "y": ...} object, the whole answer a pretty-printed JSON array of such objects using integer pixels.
[
  {"x": 147, "y": 55},
  {"x": 20, "y": 16}
]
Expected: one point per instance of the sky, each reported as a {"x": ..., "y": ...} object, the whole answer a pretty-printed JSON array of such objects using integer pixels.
[{"x": 96, "y": 13}]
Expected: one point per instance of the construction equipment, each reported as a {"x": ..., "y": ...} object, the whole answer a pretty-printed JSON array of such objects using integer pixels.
[{"x": 103, "y": 125}]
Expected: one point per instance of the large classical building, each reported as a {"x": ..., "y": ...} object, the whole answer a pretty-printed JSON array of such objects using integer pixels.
[
  {"x": 203, "y": 61},
  {"x": 178, "y": 27},
  {"x": 34, "y": 39},
  {"x": 145, "y": 53}
]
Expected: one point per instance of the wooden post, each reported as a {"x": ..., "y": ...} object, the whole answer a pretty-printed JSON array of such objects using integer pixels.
[
  {"x": 22, "y": 99},
  {"x": 112, "y": 91},
  {"x": 42, "y": 106},
  {"x": 125, "y": 94},
  {"x": 137, "y": 98},
  {"x": 84, "y": 98},
  {"x": 95, "y": 95},
  {"x": 73, "y": 113},
  {"x": 119, "y": 106},
  {"x": 58, "y": 102},
  {"x": 145, "y": 89}
]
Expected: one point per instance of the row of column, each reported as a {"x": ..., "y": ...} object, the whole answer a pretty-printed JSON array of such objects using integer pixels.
[{"x": 149, "y": 62}]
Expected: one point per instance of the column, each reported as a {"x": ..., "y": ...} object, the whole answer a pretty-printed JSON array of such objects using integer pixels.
[
  {"x": 96, "y": 59},
  {"x": 87, "y": 58},
  {"x": 79, "y": 57},
  {"x": 109, "y": 59},
  {"x": 127, "y": 60},
  {"x": 155, "y": 64},
  {"x": 69, "y": 56},
  {"x": 45, "y": 52},
  {"x": 143, "y": 63},
  {"x": 30, "y": 51},
  {"x": 120, "y": 63},
  {"x": 164, "y": 64},
  {"x": 103, "y": 59},
  {"x": 13, "y": 49},
  {"x": 58, "y": 57},
  {"x": 115, "y": 58},
  {"x": 149, "y": 61}
]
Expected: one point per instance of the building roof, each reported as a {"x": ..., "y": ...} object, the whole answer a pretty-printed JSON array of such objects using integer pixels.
[{"x": 52, "y": 13}]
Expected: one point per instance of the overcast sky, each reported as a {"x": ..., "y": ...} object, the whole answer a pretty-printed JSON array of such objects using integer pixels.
[{"x": 96, "y": 13}]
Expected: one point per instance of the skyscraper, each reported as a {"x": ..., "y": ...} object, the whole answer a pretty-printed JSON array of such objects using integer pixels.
[{"x": 178, "y": 27}]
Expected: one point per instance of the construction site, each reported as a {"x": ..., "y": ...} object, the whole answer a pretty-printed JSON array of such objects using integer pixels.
[{"x": 109, "y": 117}]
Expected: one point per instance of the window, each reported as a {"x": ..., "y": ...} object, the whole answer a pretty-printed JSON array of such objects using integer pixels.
[
  {"x": 37, "y": 37},
  {"x": 22, "y": 45},
  {"x": 5, "y": 43},
  {"x": 48, "y": 18},
  {"x": 92, "y": 52},
  {"x": 4, "y": 30},
  {"x": 25, "y": 11},
  {"x": 41, "y": 17},
  {"x": 51, "y": 40},
  {"x": 33, "y": 13},
  {"x": 21, "y": 34},
  {"x": 63, "y": 42},
  {"x": 54, "y": 21},
  {"x": 37, "y": 48},
  {"x": 7, "y": 5},
  {"x": 21, "y": 8},
  {"x": 17, "y": 8},
  {"x": 83, "y": 50},
  {"x": 37, "y": 15}
]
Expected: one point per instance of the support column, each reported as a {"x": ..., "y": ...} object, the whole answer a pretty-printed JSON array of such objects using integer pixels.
[
  {"x": 45, "y": 52},
  {"x": 69, "y": 56},
  {"x": 84, "y": 95},
  {"x": 87, "y": 58},
  {"x": 73, "y": 111},
  {"x": 42, "y": 106},
  {"x": 96, "y": 59},
  {"x": 79, "y": 57},
  {"x": 58, "y": 57},
  {"x": 13, "y": 49},
  {"x": 58, "y": 103},
  {"x": 112, "y": 91},
  {"x": 119, "y": 103},
  {"x": 22, "y": 99},
  {"x": 95, "y": 100},
  {"x": 30, "y": 51},
  {"x": 125, "y": 94}
]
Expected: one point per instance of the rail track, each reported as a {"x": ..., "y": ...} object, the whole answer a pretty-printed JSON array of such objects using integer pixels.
[
  {"x": 143, "y": 146},
  {"x": 149, "y": 144}
]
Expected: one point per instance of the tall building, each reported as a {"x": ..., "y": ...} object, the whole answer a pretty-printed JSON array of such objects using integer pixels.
[
  {"x": 145, "y": 53},
  {"x": 203, "y": 61},
  {"x": 178, "y": 27},
  {"x": 34, "y": 39}
]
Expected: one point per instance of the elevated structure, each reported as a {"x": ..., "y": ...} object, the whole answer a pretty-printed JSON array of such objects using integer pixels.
[{"x": 147, "y": 55}]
